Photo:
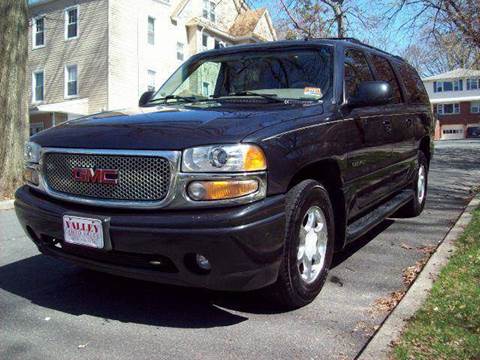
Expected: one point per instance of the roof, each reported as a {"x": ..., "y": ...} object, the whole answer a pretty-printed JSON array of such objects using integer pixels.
[
  {"x": 246, "y": 22},
  {"x": 33, "y": 3},
  {"x": 78, "y": 107},
  {"x": 454, "y": 74},
  {"x": 454, "y": 99},
  {"x": 343, "y": 42}
]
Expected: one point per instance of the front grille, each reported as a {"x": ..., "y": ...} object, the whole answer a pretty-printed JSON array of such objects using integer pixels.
[{"x": 140, "y": 178}]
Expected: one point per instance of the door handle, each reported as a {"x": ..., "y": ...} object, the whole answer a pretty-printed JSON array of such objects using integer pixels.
[{"x": 387, "y": 125}]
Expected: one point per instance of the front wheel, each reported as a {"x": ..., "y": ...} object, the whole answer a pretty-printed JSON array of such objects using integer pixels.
[{"x": 309, "y": 244}]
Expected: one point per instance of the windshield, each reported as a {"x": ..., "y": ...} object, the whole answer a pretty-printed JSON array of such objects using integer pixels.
[{"x": 304, "y": 74}]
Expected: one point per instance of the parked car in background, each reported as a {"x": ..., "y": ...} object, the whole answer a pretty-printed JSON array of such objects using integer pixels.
[{"x": 247, "y": 169}]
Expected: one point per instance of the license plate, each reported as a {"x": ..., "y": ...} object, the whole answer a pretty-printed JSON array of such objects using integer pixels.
[{"x": 83, "y": 231}]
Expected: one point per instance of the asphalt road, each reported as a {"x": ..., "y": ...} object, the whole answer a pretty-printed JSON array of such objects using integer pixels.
[{"x": 53, "y": 310}]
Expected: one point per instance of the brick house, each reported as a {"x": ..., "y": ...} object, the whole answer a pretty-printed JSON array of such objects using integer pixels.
[
  {"x": 455, "y": 97},
  {"x": 88, "y": 56}
]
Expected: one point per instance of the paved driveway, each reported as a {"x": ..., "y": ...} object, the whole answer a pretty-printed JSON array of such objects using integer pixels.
[{"x": 49, "y": 309}]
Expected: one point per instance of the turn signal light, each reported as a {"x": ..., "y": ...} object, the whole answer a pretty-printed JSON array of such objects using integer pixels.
[
  {"x": 30, "y": 176},
  {"x": 221, "y": 190}
]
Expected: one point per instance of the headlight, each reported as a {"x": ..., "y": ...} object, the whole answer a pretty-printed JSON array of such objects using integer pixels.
[
  {"x": 224, "y": 158},
  {"x": 32, "y": 152}
]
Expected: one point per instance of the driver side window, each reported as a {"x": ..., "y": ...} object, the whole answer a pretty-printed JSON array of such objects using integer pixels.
[{"x": 356, "y": 71}]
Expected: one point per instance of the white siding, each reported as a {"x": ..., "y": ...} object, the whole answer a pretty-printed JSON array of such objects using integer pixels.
[
  {"x": 88, "y": 51},
  {"x": 450, "y": 95}
]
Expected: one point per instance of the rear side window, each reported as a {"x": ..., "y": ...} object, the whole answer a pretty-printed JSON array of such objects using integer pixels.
[
  {"x": 385, "y": 73},
  {"x": 356, "y": 71},
  {"x": 413, "y": 84}
]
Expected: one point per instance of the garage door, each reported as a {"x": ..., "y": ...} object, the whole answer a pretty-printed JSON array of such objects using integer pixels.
[{"x": 450, "y": 132}]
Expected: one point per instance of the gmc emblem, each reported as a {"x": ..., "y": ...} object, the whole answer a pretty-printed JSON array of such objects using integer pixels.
[{"x": 96, "y": 176}]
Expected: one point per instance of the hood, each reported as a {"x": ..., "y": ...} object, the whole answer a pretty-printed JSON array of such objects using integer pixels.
[{"x": 166, "y": 128}]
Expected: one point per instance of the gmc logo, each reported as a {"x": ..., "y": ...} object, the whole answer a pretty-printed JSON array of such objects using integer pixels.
[{"x": 96, "y": 176}]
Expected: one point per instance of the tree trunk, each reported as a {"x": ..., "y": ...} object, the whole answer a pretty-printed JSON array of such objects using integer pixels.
[
  {"x": 337, "y": 8},
  {"x": 340, "y": 24},
  {"x": 13, "y": 92}
]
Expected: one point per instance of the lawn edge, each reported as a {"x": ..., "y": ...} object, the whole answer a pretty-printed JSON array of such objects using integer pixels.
[{"x": 392, "y": 327}]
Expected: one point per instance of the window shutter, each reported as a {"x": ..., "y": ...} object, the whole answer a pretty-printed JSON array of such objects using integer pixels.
[{"x": 434, "y": 86}]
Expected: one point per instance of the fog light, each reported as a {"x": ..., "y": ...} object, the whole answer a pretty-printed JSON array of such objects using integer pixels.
[
  {"x": 221, "y": 190},
  {"x": 30, "y": 176},
  {"x": 203, "y": 262}
]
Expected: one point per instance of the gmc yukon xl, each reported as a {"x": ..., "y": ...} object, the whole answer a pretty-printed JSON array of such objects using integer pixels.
[{"x": 247, "y": 169}]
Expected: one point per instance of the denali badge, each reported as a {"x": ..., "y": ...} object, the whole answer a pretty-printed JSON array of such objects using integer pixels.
[{"x": 99, "y": 176}]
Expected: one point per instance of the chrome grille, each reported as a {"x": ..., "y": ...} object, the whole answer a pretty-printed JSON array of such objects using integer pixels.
[{"x": 140, "y": 178}]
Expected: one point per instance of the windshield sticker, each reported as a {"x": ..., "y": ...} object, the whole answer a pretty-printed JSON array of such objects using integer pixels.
[{"x": 312, "y": 91}]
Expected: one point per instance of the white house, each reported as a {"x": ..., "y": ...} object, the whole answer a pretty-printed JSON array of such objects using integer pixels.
[
  {"x": 455, "y": 96},
  {"x": 88, "y": 56}
]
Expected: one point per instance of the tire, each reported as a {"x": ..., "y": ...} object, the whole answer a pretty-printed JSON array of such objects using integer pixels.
[
  {"x": 415, "y": 206},
  {"x": 294, "y": 288}
]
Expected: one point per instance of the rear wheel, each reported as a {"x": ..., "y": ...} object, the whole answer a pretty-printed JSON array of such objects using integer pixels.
[
  {"x": 308, "y": 249},
  {"x": 420, "y": 183}
]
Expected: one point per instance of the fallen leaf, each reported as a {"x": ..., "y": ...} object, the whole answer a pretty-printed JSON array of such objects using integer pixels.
[
  {"x": 410, "y": 273},
  {"x": 388, "y": 303},
  {"x": 427, "y": 249},
  {"x": 406, "y": 246}
]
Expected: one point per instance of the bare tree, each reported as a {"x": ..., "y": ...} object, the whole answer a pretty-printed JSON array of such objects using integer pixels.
[
  {"x": 319, "y": 18},
  {"x": 441, "y": 54},
  {"x": 442, "y": 17},
  {"x": 13, "y": 95}
]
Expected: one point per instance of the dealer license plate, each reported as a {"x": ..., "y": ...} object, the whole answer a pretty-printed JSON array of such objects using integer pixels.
[{"x": 83, "y": 231}]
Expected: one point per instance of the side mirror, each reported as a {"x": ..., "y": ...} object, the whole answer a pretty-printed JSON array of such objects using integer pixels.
[
  {"x": 371, "y": 93},
  {"x": 145, "y": 98}
]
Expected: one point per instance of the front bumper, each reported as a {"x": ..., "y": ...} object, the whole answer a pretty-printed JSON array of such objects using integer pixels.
[{"x": 244, "y": 243}]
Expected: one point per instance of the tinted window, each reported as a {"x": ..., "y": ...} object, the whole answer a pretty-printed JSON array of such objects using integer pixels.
[
  {"x": 385, "y": 73},
  {"x": 413, "y": 84},
  {"x": 289, "y": 70},
  {"x": 298, "y": 74},
  {"x": 356, "y": 71}
]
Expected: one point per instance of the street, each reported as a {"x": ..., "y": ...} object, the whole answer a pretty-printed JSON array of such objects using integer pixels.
[{"x": 51, "y": 309}]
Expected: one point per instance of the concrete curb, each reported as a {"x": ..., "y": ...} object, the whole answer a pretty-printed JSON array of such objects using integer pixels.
[
  {"x": 6, "y": 204},
  {"x": 379, "y": 346}
]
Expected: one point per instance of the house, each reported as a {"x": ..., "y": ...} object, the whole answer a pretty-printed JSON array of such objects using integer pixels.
[
  {"x": 455, "y": 97},
  {"x": 88, "y": 56}
]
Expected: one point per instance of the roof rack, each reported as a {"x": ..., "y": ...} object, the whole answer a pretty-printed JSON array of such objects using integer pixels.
[{"x": 356, "y": 41}]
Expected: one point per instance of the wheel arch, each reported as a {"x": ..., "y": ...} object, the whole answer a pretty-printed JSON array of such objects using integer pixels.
[
  {"x": 426, "y": 146},
  {"x": 328, "y": 173}
]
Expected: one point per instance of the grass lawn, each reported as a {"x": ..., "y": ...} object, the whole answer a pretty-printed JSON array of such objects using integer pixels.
[{"x": 448, "y": 324}]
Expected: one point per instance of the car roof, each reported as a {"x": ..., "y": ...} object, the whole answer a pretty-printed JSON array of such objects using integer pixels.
[{"x": 344, "y": 42}]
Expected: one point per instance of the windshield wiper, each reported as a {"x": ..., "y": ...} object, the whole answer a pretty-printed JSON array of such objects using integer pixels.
[
  {"x": 271, "y": 97},
  {"x": 175, "y": 97}
]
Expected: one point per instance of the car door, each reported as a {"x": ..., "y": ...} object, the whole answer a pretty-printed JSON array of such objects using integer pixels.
[
  {"x": 370, "y": 142},
  {"x": 417, "y": 106},
  {"x": 401, "y": 121}
]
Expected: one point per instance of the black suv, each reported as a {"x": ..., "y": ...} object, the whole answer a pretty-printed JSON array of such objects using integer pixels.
[{"x": 247, "y": 169}]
